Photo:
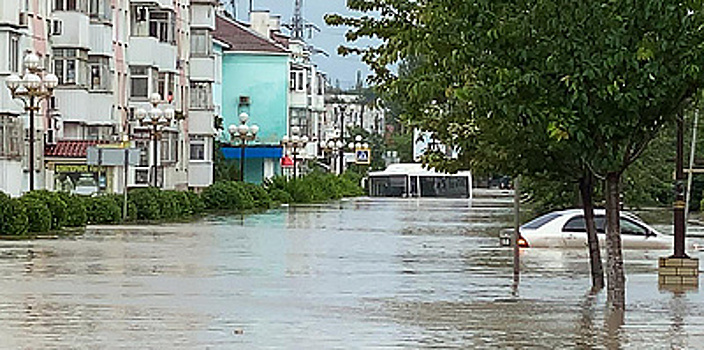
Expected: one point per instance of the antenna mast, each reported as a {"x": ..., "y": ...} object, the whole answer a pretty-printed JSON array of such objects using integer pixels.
[{"x": 297, "y": 22}]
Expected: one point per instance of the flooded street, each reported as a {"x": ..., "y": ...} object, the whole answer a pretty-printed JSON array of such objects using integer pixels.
[{"x": 356, "y": 274}]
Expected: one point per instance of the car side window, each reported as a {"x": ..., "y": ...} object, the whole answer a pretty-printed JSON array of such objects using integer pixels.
[
  {"x": 629, "y": 227},
  {"x": 578, "y": 224},
  {"x": 575, "y": 224}
]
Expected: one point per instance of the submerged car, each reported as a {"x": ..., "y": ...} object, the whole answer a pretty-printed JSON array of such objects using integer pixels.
[{"x": 567, "y": 229}]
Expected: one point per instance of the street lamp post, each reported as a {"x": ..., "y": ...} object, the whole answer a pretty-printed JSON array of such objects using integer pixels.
[
  {"x": 244, "y": 133},
  {"x": 156, "y": 120},
  {"x": 32, "y": 88},
  {"x": 332, "y": 146},
  {"x": 294, "y": 143}
]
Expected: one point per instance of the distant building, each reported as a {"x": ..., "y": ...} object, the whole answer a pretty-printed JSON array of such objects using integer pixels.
[{"x": 254, "y": 81}]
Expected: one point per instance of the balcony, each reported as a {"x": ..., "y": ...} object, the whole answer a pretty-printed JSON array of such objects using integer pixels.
[
  {"x": 202, "y": 68},
  {"x": 74, "y": 30},
  {"x": 148, "y": 51}
]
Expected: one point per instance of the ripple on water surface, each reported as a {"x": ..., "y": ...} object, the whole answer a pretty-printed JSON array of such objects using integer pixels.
[{"x": 356, "y": 274}]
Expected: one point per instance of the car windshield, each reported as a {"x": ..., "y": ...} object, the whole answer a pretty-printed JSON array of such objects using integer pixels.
[{"x": 541, "y": 221}]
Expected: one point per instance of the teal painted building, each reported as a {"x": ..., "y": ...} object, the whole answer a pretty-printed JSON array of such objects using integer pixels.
[{"x": 255, "y": 74}]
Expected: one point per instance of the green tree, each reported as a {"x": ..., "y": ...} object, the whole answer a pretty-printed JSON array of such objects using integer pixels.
[{"x": 600, "y": 78}]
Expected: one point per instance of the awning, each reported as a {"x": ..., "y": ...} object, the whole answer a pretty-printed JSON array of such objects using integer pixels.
[
  {"x": 251, "y": 152},
  {"x": 70, "y": 148}
]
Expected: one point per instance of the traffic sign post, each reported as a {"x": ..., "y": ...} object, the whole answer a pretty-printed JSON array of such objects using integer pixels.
[{"x": 363, "y": 156}]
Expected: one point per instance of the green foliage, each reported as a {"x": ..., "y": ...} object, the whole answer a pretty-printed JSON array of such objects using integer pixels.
[
  {"x": 75, "y": 213},
  {"x": 227, "y": 195},
  {"x": 261, "y": 197},
  {"x": 279, "y": 195},
  {"x": 38, "y": 214},
  {"x": 147, "y": 203},
  {"x": 314, "y": 187},
  {"x": 196, "y": 202},
  {"x": 103, "y": 210},
  {"x": 13, "y": 216},
  {"x": 54, "y": 203}
]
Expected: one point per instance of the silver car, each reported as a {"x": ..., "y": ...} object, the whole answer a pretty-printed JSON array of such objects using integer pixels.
[{"x": 566, "y": 229}]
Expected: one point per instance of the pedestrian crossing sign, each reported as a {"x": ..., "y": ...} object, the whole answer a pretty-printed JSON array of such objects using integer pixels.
[{"x": 362, "y": 156}]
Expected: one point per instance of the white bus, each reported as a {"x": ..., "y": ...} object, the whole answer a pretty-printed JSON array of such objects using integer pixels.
[{"x": 412, "y": 180}]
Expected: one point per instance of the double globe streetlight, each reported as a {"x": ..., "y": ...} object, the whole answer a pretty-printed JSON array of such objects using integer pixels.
[
  {"x": 243, "y": 133},
  {"x": 333, "y": 147},
  {"x": 294, "y": 144},
  {"x": 33, "y": 87},
  {"x": 156, "y": 120}
]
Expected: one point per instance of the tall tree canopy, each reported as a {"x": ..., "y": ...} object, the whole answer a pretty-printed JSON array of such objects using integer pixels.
[{"x": 587, "y": 83}]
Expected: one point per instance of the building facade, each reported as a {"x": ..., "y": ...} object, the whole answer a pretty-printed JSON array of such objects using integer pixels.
[
  {"x": 111, "y": 57},
  {"x": 254, "y": 81}
]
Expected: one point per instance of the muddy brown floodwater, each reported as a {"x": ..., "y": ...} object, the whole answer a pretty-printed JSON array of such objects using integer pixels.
[{"x": 356, "y": 274}]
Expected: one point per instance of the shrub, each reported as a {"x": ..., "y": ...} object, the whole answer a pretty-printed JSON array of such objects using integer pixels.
[
  {"x": 119, "y": 199},
  {"x": 76, "y": 215},
  {"x": 102, "y": 210},
  {"x": 54, "y": 203},
  {"x": 13, "y": 217},
  {"x": 260, "y": 197},
  {"x": 280, "y": 196},
  {"x": 174, "y": 205},
  {"x": 146, "y": 202},
  {"x": 227, "y": 195},
  {"x": 38, "y": 214},
  {"x": 196, "y": 202}
]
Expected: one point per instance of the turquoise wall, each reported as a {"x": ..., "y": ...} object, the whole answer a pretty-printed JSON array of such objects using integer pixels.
[{"x": 264, "y": 78}]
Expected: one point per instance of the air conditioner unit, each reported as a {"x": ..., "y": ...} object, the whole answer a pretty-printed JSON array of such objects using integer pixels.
[
  {"x": 244, "y": 100},
  {"x": 24, "y": 20}
]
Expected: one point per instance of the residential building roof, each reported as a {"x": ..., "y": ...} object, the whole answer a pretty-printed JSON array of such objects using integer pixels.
[
  {"x": 70, "y": 148},
  {"x": 241, "y": 38}
]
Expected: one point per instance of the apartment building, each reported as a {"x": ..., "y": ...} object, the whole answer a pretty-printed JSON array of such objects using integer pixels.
[{"x": 111, "y": 57}]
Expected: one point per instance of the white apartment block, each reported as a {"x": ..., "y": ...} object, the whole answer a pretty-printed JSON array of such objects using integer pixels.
[{"x": 110, "y": 56}]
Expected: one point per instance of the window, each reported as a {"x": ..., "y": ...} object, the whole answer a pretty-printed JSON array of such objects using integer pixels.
[
  {"x": 70, "y": 66},
  {"x": 141, "y": 176},
  {"x": 99, "y": 73},
  {"x": 100, "y": 9},
  {"x": 197, "y": 151},
  {"x": 160, "y": 26},
  {"x": 296, "y": 81},
  {"x": 200, "y": 43},
  {"x": 540, "y": 221},
  {"x": 169, "y": 146},
  {"x": 139, "y": 81},
  {"x": 629, "y": 227},
  {"x": 10, "y": 136},
  {"x": 70, "y": 5},
  {"x": 14, "y": 53},
  {"x": 201, "y": 95}
]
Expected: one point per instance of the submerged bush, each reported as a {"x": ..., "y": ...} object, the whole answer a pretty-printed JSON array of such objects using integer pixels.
[
  {"x": 38, "y": 214},
  {"x": 102, "y": 210}
]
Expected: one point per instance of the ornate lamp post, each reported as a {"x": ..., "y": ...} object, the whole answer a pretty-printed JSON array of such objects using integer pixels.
[
  {"x": 333, "y": 147},
  {"x": 294, "y": 144},
  {"x": 33, "y": 87},
  {"x": 156, "y": 120},
  {"x": 244, "y": 133}
]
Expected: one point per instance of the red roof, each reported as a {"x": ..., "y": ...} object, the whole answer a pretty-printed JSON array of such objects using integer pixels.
[
  {"x": 70, "y": 148},
  {"x": 241, "y": 38}
]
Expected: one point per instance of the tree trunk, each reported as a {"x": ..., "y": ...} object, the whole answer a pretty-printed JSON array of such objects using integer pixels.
[
  {"x": 586, "y": 187},
  {"x": 616, "y": 280}
]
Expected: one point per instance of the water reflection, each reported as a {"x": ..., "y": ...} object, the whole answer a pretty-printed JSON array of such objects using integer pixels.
[{"x": 359, "y": 274}]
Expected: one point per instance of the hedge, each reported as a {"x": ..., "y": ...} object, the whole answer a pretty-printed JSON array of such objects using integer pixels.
[{"x": 43, "y": 211}]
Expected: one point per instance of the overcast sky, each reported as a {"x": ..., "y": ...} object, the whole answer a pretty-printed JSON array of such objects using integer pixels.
[{"x": 328, "y": 39}]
